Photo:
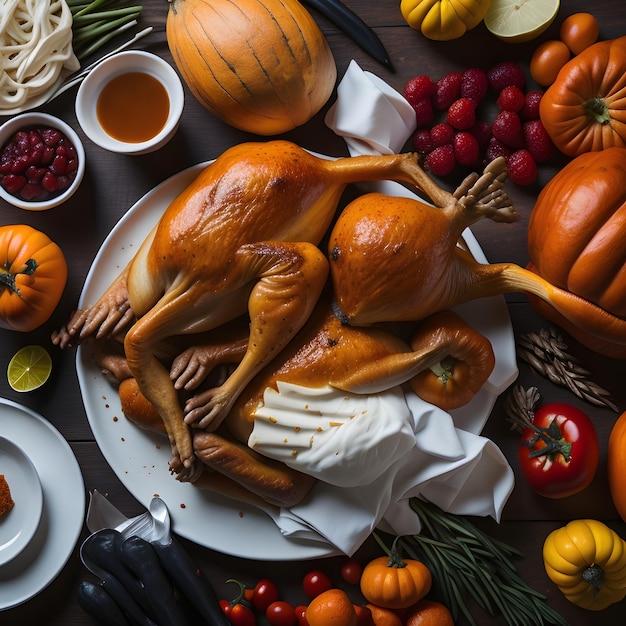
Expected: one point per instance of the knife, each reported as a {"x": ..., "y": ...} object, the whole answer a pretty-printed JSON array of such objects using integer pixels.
[
  {"x": 154, "y": 527},
  {"x": 351, "y": 24}
]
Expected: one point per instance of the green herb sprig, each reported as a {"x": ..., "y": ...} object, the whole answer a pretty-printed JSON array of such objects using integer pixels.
[
  {"x": 97, "y": 22},
  {"x": 466, "y": 562}
]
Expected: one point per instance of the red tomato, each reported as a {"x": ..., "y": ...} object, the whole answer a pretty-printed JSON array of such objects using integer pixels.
[
  {"x": 301, "y": 615},
  {"x": 281, "y": 614},
  {"x": 351, "y": 571},
  {"x": 265, "y": 592},
  {"x": 559, "y": 454},
  {"x": 316, "y": 582},
  {"x": 238, "y": 614}
]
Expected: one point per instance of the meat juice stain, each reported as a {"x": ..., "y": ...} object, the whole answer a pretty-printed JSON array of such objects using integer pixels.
[{"x": 133, "y": 107}]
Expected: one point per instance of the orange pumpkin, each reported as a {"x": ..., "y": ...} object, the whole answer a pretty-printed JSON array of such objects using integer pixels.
[
  {"x": 263, "y": 67},
  {"x": 576, "y": 235},
  {"x": 32, "y": 277},
  {"x": 395, "y": 583},
  {"x": 584, "y": 109}
]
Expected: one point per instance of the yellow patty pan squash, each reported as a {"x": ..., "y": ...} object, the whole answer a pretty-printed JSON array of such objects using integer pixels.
[
  {"x": 586, "y": 560},
  {"x": 443, "y": 20}
]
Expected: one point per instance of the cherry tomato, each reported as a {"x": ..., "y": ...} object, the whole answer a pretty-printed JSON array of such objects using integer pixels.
[
  {"x": 316, "y": 582},
  {"x": 301, "y": 615},
  {"x": 238, "y": 614},
  {"x": 547, "y": 60},
  {"x": 351, "y": 571},
  {"x": 559, "y": 453},
  {"x": 281, "y": 613},
  {"x": 264, "y": 593},
  {"x": 579, "y": 31}
]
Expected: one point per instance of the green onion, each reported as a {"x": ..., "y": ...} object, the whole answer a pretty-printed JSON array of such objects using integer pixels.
[
  {"x": 97, "y": 22},
  {"x": 466, "y": 563}
]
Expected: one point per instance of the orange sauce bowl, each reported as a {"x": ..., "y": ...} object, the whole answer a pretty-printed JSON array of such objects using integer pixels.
[{"x": 130, "y": 103}]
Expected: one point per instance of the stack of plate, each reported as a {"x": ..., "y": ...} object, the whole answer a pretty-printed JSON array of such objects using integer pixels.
[{"x": 38, "y": 535}]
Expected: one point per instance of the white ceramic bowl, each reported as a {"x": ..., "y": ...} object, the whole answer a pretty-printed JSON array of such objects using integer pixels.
[
  {"x": 101, "y": 75},
  {"x": 29, "y": 120}
]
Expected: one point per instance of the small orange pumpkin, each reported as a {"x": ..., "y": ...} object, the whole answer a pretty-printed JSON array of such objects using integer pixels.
[
  {"x": 32, "y": 277},
  {"x": 576, "y": 232},
  {"x": 262, "y": 67},
  {"x": 395, "y": 583},
  {"x": 584, "y": 109}
]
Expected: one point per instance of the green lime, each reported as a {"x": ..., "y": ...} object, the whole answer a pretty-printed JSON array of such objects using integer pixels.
[{"x": 29, "y": 368}]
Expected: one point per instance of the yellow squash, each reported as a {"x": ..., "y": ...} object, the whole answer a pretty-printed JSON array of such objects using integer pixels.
[
  {"x": 586, "y": 560},
  {"x": 443, "y": 20}
]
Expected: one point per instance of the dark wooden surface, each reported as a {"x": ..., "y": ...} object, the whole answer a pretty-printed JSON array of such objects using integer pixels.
[{"x": 113, "y": 183}]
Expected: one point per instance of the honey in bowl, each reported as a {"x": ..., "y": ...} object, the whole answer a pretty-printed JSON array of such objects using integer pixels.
[{"x": 133, "y": 107}]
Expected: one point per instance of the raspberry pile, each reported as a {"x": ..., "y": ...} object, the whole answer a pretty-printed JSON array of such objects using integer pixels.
[
  {"x": 452, "y": 130},
  {"x": 38, "y": 164}
]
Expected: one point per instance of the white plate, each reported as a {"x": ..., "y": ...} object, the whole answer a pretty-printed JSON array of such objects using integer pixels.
[
  {"x": 18, "y": 526},
  {"x": 63, "y": 505},
  {"x": 140, "y": 460}
]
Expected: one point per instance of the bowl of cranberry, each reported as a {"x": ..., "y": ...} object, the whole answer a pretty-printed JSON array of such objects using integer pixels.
[{"x": 42, "y": 161}]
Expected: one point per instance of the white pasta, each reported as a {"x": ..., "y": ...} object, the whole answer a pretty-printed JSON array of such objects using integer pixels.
[{"x": 35, "y": 47}]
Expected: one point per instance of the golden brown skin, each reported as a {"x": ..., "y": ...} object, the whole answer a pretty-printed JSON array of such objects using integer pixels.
[{"x": 241, "y": 238}]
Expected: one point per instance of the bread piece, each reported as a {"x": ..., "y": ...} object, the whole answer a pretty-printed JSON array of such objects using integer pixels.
[{"x": 6, "y": 501}]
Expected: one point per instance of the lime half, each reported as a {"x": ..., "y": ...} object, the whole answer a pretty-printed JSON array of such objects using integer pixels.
[
  {"x": 29, "y": 368},
  {"x": 517, "y": 21}
]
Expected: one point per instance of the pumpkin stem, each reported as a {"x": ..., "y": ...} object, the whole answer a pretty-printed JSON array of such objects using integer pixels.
[
  {"x": 395, "y": 558},
  {"x": 598, "y": 109},
  {"x": 443, "y": 370},
  {"x": 7, "y": 278},
  {"x": 594, "y": 575}
]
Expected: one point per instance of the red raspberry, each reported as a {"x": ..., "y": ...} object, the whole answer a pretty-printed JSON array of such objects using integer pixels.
[
  {"x": 482, "y": 131},
  {"x": 419, "y": 88},
  {"x": 448, "y": 90},
  {"x": 530, "y": 110},
  {"x": 441, "y": 134},
  {"x": 474, "y": 84},
  {"x": 465, "y": 148},
  {"x": 422, "y": 141},
  {"x": 507, "y": 128},
  {"x": 496, "y": 149},
  {"x": 506, "y": 73},
  {"x": 441, "y": 161},
  {"x": 521, "y": 168},
  {"x": 462, "y": 114},
  {"x": 511, "y": 98},
  {"x": 538, "y": 141},
  {"x": 424, "y": 114}
]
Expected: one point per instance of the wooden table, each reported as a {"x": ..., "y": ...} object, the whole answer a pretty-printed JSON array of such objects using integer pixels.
[{"x": 113, "y": 183}]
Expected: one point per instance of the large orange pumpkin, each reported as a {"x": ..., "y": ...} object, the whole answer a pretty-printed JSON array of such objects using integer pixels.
[
  {"x": 262, "y": 66},
  {"x": 32, "y": 277},
  {"x": 576, "y": 236}
]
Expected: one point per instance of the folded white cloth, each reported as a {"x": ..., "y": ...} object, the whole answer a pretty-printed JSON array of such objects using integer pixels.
[{"x": 376, "y": 452}]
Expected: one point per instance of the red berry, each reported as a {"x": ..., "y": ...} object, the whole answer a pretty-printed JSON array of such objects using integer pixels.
[
  {"x": 521, "y": 167},
  {"x": 530, "y": 110},
  {"x": 448, "y": 90},
  {"x": 441, "y": 134},
  {"x": 482, "y": 131},
  {"x": 419, "y": 88},
  {"x": 424, "y": 113},
  {"x": 507, "y": 128},
  {"x": 496, "y": 149},
  {"x": 441, "y": 160},
  {"x": 474, "y": 84},
  {"x": 465, "y": 148},
  {"x": 511, "y": 98},
  {"x": 462, "y": 114},
  {"x": 538, "y": 141},
  {"x": 506, "y": 73},
  {"x": 422, "y": 141}
]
